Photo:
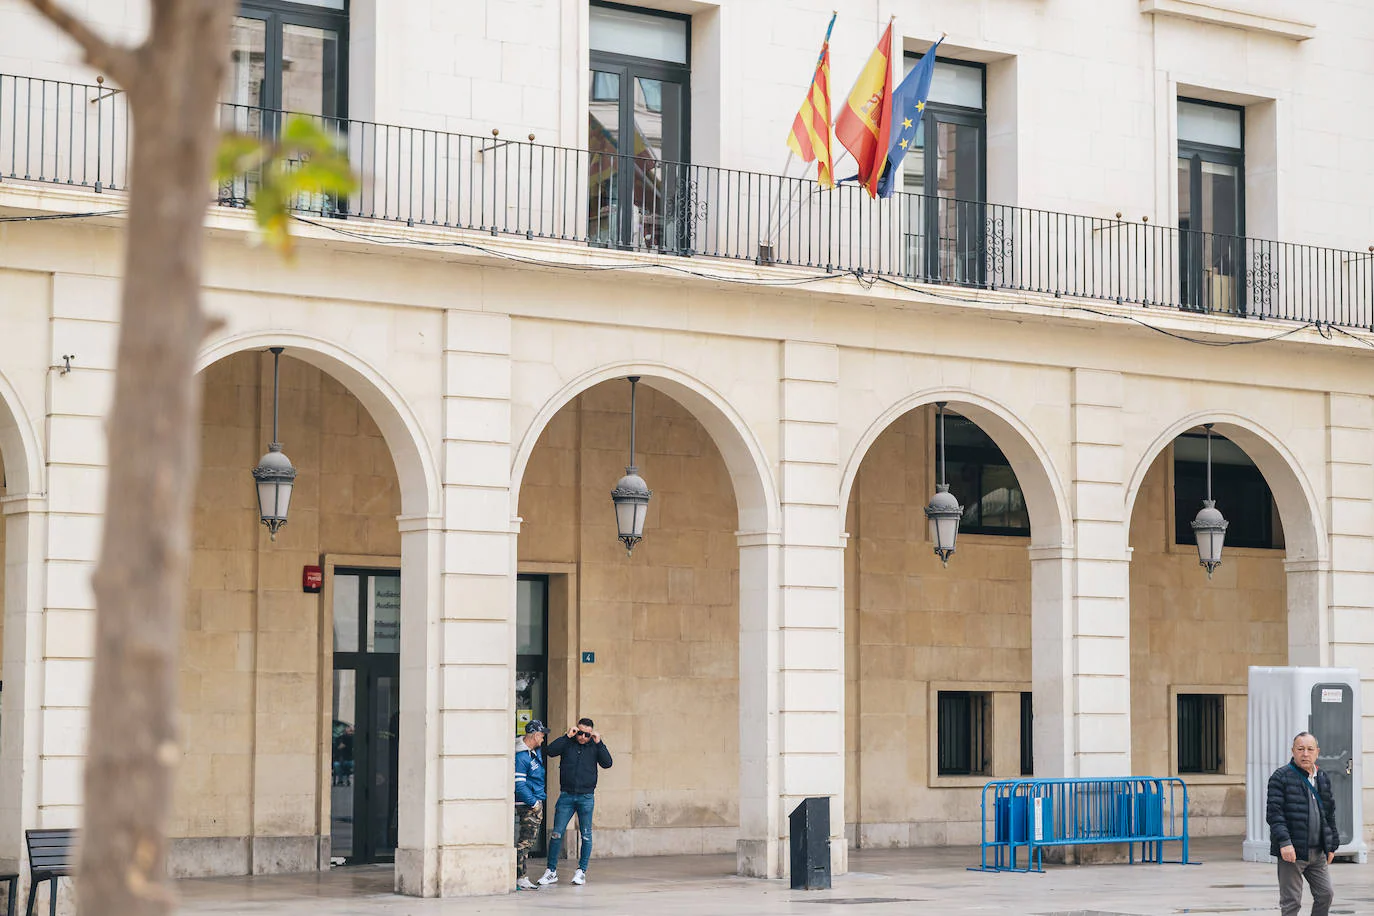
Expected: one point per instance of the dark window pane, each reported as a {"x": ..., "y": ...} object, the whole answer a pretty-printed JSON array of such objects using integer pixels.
[
  {"x": 1201, "y": 733},
  {"x": 1238, "y": 487},
  {"x": 962, "y": 729},
  {"x": 981, "y": 478},
  {"x": 1027, "y": 733}
]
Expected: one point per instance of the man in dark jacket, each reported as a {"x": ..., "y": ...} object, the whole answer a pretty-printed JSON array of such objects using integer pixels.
[
  {"x": 1302, "y": 828},
  {"x": 583, "y": 752}
]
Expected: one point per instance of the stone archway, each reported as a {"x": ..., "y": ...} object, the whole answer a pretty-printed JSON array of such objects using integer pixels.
[
  {"x": 927, "y": 645},
  {"x": 1194, "y": 637},
  {"x": 746, "y": 540},
  {"x": 372, "y": 465}
]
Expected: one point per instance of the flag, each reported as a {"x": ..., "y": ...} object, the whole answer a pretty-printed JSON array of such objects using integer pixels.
[
  {"x": 810, "y": 137},
  {"x": 908, "y": 105},
  {"x": 865, "y": 121}
]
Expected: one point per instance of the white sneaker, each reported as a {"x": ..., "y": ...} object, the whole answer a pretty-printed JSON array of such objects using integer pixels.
[
  {"x": 579, "y": 877},
  {"x": 525, "y": 884},
  {"x": 550, "y": 877}
]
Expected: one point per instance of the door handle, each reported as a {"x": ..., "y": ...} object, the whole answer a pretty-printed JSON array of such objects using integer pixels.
[{"x": 1350, "y": 766}]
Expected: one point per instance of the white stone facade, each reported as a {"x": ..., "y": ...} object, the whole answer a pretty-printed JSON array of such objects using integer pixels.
[{"x": 462, "y": 356}]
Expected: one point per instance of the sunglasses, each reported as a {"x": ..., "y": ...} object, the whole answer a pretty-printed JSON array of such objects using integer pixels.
[{"x": 582, "y": 734}]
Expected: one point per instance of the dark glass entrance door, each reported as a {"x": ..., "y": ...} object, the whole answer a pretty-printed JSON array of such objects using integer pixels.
[
  {"x": 532, "y": 663},
  {"x": 366, "y": 702}
]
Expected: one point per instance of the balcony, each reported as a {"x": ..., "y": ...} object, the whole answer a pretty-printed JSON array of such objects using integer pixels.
[{"x": 78, "y": 135}]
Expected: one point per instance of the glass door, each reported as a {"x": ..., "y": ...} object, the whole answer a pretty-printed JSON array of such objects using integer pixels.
[
  {"x": 366, "y": 724},
  {"x": 637, "y": 130},
  {"x": 1211, "y": 206},
  {"x": 532, "y": 665},
  {"x": 944, "y": 174}
]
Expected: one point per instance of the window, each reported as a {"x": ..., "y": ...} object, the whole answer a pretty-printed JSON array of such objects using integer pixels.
[
  {"x": 944, "y": 224},
  {"x": 964, "y": 733},
  {"x": 1211, "y": 205},
  {"x": 637, "y": 128},
  {"x": 1240, "y": 491},
  {"x": 1201, "y": 733},
  {"x": 1027, "y": 734},
  {"x": 981, "y": 478},
  {"x": 289, "y": 56}
]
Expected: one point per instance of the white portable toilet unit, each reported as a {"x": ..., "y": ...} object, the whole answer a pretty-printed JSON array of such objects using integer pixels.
[{"x": 1282, "y": 703}]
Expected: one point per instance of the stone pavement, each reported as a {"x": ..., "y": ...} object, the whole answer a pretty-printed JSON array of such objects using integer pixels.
[{"x": 883, "y": 882}]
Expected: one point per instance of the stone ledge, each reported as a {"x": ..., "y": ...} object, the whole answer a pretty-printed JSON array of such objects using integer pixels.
[{"x": 1217, "y": 14}]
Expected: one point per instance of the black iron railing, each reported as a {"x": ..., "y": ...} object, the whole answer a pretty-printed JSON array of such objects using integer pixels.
[{"x": 79, "y": 135}]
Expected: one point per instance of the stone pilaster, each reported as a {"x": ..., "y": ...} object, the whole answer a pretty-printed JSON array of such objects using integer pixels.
[
  {"x": 794, "y": 666},
  {"x": 475, "y": 639}
]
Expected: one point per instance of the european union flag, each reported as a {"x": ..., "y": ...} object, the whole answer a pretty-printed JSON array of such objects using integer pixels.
[{"x": 908, "y": 104}]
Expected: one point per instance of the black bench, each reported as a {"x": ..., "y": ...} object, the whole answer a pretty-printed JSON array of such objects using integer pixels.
[{"x": 50, "y": 858}]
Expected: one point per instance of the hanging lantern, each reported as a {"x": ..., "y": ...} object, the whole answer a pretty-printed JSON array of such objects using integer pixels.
[
  {"x": 1209, "y": 527},
  {"x": 631, "y": 494},
  {"x": 274, "y": 474},
  {"x": 944, "y": 510}
]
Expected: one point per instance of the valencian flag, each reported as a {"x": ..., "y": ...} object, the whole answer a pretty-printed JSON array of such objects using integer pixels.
[
  {"x": 810, "y": 137},
  {"x": 908, "y": 105},
  {"x": 864, "y": 122}
]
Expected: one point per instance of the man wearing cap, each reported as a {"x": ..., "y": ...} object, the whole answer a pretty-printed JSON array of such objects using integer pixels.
[{"x": 529, "y": 798}]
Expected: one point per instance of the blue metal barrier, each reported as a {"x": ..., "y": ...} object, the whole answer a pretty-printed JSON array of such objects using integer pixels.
[{"x": 1031, "y": 814}]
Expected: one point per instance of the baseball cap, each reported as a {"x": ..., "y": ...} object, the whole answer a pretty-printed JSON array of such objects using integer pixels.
[{"x": 536, "y": 726}]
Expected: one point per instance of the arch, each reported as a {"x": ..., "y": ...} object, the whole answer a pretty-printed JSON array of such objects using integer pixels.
[
  {"x": 755, "y": 493},
  {"x": 1297, "y": 501},
  {"x": 19, "y": 447},
  {"x": 416, "y": 470},
  {"x": 1051, "y": 521}
]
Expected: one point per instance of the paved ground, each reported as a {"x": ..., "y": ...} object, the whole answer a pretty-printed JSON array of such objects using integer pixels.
[{"x": 883, "y": 882}]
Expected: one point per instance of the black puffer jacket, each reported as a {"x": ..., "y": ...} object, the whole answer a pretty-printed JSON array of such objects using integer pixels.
[
  {"x": 577, "y": 773},
  {"x": 1287, "y": 812}
]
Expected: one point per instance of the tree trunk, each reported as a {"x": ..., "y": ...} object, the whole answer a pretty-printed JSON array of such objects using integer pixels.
[{"x": 153, "y": 433}]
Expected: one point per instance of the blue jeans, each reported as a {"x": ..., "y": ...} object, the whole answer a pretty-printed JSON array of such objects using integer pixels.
[{"x": 569, "y": 804}]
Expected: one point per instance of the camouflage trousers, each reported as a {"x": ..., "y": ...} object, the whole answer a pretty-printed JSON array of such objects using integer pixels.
[{"x": 527, "y": 821}]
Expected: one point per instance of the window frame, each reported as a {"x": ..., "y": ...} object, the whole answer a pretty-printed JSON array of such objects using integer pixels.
[
  {"x": 1209, "y": 715},
  {"x": 944, "y": 112},
  {"x": 1192, "y": 264},
  {"x": 971, "y": 728},
  {"x": 279, "y": 13}
]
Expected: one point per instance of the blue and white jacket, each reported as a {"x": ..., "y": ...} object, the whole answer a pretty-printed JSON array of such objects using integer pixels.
[{"x": 529, "y": 774}]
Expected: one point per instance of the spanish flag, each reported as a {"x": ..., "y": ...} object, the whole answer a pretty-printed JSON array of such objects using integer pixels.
[
  {"x": 810, "y": 137},
  {"x": 864, "y": 124}
]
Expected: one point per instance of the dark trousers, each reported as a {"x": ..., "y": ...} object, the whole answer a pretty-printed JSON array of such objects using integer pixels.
[
  {"x": 527, "y": 821},
  {"x": 1291, "y": 875}
]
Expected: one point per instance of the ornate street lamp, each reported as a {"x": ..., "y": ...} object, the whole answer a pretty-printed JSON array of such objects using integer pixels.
[
  {"x": 1209, "y": 527},
  {"x": 944, "y": 510},
  {"x": 631, "y": 494},
  {"x": 274, "y": 474}
]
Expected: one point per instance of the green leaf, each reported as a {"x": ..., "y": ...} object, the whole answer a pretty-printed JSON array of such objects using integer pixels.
[
  {"x": 238, "y": 153},
  {"x": 306, "y": 160}
]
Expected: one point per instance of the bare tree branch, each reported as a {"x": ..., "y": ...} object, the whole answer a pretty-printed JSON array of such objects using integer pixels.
[{"x": 114, "y": 59}]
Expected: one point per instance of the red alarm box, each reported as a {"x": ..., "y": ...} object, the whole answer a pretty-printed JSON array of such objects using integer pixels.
[{"x": 312, "y": 579}]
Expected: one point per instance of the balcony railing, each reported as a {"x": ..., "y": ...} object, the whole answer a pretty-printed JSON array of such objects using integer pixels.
[{"x": 78, "y": 135}]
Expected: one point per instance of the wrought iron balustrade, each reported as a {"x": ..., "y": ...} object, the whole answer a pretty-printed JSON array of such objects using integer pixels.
[{"x": 74, "y": 134}]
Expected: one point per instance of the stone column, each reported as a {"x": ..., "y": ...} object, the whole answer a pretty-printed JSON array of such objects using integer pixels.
[
  {"x": 1331, "y": 628},
  {"x": 26, "y": 522},
  {"x": 1080, "y": 631},
  {"x": 792, "y": 642},
  {"x": 417, "y": 853},
  {"x": 475, "y": 712},
  {"x": 84, "y": 313}
]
